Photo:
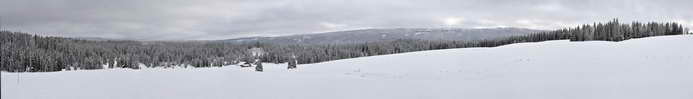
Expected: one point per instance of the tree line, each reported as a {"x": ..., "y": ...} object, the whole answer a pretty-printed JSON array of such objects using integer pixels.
[{"x": 22, "y": 52}]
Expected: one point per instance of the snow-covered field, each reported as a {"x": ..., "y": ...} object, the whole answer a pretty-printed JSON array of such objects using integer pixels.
[{"x": 648, "y": 68}]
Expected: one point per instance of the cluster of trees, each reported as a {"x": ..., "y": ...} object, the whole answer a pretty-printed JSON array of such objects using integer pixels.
[
  {"x": 615, "y": 31},
  {"x": 21, "y": 52}
]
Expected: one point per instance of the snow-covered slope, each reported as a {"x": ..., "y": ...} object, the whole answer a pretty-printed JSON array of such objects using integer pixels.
[{"x": 648, "y": 68}]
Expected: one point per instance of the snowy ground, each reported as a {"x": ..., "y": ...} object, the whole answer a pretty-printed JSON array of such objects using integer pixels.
[{"x": 649, "y": 68}]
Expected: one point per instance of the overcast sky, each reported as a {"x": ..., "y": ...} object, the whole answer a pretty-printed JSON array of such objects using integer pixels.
[{"x": 224, "y": 19}]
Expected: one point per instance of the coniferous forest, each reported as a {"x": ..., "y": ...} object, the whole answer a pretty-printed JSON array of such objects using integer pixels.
[{"x": 22, "y": 52}]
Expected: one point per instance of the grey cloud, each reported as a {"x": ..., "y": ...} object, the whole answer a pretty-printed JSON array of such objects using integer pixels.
[{"x": 223, "y": 19}]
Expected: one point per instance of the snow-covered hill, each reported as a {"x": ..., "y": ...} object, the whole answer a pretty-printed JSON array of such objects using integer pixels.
[{"x": 648, "y": 68}]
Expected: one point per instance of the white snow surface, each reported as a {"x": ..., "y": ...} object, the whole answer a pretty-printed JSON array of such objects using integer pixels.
[{"x": 647, "y": 68}]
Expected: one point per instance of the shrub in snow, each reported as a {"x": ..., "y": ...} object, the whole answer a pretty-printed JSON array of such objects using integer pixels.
[
  {"x": 292, "y": 62},
  {"x": 292, "y": 65},
  {"x": 246, "y": 64},
  {"x": 258, "y": 65}
]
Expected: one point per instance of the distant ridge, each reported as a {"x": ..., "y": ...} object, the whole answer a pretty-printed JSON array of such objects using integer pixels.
[{"x": 373, "y": 35}]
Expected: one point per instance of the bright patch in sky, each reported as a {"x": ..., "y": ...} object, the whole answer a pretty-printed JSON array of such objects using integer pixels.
[
  {"x": 452, "y": 21},
  {"x": 331, "y": 25}
]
